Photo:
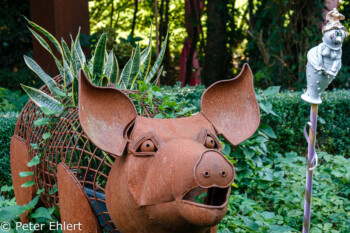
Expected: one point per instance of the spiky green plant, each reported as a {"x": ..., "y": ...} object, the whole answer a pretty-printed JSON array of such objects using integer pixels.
[{"x": 102, "y": 69}]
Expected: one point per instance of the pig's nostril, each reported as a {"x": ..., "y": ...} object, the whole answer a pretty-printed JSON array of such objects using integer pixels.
[
  {"x": 223, "y": 173},
  {"x": 206, "y": 174}
]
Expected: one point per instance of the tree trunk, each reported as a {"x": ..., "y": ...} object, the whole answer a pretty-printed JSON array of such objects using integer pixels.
[
  {"x": 194, "y": 21},
  {"x": 169, "y": 78},
  {"x": 134, "y": 19},
  {"x": 161, "y": 23},
  {"x": 111, "y": 15},
  {"x": 216, "y": 53},
  {"x": 156, "y": 20},
  {"x": 250, "y": 12}
]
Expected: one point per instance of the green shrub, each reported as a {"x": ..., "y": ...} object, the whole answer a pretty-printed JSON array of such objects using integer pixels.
[
  {"x": 278, "y": 205},
  {"x": 190, "y": 95},
  {"x": 12, "y": 79},
  {"x": 7, "y": 126},
  {"x": 11, "y": 100},
  {"x": 333, "y": 122}
]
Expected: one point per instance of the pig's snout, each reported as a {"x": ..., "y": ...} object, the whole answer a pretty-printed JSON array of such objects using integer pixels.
[{"x": 214, "y": 170}]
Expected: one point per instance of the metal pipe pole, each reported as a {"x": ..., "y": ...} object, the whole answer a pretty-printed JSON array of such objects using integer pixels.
[
  {"x": 310, "y": 163},
  {"x": 319, "y": 74}
]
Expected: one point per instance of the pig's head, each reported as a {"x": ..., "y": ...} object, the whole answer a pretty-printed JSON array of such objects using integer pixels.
[{"x": 166, "y": 165}]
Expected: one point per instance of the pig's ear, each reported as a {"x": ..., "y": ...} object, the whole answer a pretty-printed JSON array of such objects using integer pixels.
[
  {"x": 231, "y": 106},
  {"x": 105, "y": 114}
]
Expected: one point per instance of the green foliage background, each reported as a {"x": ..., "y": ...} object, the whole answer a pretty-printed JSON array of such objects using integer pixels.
[
  {"x": 333, "y": 130},
  {"x": 7, "y": 126},
  {"x": 274, "y": 37},
  {"x": 275, "y": 200},
  {"x": 15, "y": 41},
  {"x": 102, "y": 20},
  {"x": 279, "y": 35},
  {"x": 333, "y": 123}
]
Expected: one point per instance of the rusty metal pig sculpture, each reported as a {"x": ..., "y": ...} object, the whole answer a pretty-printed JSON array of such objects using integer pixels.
[{"x": 159, "y": 166}]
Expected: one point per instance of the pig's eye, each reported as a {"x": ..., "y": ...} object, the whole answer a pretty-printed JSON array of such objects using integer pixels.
[
  {"x": 210, "y": 143},
  {"x": 209, "y": 140},
  {"x": 147, "y": 146}
]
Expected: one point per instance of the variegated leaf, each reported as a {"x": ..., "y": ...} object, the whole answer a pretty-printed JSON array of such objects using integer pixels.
[
  {"x": 112, "y": 67},
  {"x": 42, "y": 99},
  {"x": 79, "y": 49},
  {"x": 76, "y": 57},
  {"x": 99, "y": 56},
  {"x": 66, "y": 51},
  {"x": 68, "y": 77},
  {"x": 47, "y": 35},
  {"x": 135, "y": 67},
  {"x": 124, "y": 77},
  {"x": 158, "y": 61},
  {"x": 39, "y": 71}
]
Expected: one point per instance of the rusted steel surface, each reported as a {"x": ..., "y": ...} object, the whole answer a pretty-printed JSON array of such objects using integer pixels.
[
  {"x": 19, "y": 159},
  {"x": 160, "y": 187},
  {"x": 105, "y": 114},
  {"x": 138, "y": 173},
  {"x": 213, "y": 170},
  {"x": 231, "y": 106},
  {"x": 75, "y": 207}
]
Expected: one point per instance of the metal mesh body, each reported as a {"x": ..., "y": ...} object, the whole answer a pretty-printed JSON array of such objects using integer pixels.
[{"x": 69, "y": 144}]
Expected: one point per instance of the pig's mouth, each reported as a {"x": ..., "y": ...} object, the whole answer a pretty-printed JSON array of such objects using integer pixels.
[{"x": 213, "y": 197}]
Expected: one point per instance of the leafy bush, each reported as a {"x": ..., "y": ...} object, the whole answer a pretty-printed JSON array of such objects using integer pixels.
[
  {"x": 7, "y": 126},
  {"x": 190, "y": 95},
  {"x": 168, "y": 106},
  {"x": 11, "y": 79},
  {"x": 277, "y": 206},
  {"x": 333, "y": 122},
  {"x": 41, "y": 215},
  {"x": 11, "y": 100},
  {"x": 293, "y": 113}
]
